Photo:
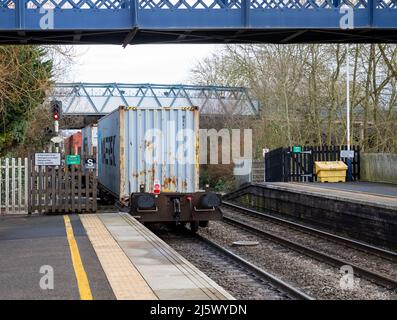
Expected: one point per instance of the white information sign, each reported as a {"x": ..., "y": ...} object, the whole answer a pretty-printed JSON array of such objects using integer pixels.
[
  {"x": 347, "y": 153},
  {"x": 47, "y": 159}
]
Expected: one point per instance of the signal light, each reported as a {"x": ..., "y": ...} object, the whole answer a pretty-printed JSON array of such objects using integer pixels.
[{"x": 56, "y": 109}]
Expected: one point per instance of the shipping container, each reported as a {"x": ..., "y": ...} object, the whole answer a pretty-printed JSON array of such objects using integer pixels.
[
  {"x": 89, "y": 136},
  {"x": 151, "y": 156},
  {"x": 140, "y": 146}
]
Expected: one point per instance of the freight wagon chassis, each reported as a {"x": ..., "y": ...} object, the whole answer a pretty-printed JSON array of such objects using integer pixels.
[{"x": 195, "y": 208}]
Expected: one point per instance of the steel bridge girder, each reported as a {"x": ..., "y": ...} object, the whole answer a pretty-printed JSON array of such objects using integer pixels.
[
  {"x": 108, "y": 15},
  {"x": 80, "y": 98}
]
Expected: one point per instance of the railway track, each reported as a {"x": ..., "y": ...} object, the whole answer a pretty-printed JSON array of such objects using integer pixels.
[
  {"x": 333, "y": 260},
  {"x": 240, "y": 277}
]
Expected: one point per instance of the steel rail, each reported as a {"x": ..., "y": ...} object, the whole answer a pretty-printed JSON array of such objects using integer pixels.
[
  {"x": 277, "y": 282},
  {"x": 378, "y": 278},
  {"x": 354, "y": 244}
]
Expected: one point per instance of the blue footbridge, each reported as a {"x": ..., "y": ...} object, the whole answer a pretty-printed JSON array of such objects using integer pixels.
[{"x": 127, "y": 22}]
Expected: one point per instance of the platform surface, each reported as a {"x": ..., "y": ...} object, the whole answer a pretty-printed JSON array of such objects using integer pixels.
[
  {"x": 380, "y": 189},
  {"x": 369, "y": 193},
  {"x": 29, "y": 244},
  {"x": 94, "y": 256}
]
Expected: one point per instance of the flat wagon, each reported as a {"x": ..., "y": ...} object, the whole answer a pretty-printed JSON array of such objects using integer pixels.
[{"x": 148, "y": 158}]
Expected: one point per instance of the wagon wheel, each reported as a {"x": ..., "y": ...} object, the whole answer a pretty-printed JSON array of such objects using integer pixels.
[{"x": 203, "y": 223}]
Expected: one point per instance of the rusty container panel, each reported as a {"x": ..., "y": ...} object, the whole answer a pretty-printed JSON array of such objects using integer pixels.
[{"x": 153, "y": 144}]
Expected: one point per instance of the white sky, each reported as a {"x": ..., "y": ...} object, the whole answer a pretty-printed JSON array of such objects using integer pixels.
[{"x": 168, "y": 64}]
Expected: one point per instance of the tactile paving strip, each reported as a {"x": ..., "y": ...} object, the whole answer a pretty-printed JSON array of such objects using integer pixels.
[{"x": 125, "y": 280}]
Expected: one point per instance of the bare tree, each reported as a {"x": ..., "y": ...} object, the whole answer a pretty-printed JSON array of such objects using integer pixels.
[{"x": 302, "y": 90}]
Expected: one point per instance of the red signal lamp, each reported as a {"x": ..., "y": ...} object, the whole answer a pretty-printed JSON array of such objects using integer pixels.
[
  {"x": 157, "y": 188},
  {"x": 56, "y": 116}
]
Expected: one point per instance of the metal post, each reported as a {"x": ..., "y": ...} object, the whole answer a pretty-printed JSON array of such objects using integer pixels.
[
  {"x": 347, "y": 97},
  {"x": 348, "y": 160},
  {"x": 56, "y": 126}
]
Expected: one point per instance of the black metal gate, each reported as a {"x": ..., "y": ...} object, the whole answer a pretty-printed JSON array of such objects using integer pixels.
[
  {"x": 299, "y": 166},
  {"x": 283, "y": 164}
]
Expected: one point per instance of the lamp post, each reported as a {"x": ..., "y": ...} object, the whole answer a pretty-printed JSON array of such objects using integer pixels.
[
  {"x": 347, "y": 97},
  {"x": 348, "y": 160}
]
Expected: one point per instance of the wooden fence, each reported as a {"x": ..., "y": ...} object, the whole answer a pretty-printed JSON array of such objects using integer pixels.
[
  {"x": 59, "y": 189},
  {"x": 13, "y": 185}
]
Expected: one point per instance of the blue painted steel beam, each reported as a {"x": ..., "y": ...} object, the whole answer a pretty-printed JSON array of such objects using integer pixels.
[
  {"x": 78, "y": 20},
  {"x": 148, "y": 21}
]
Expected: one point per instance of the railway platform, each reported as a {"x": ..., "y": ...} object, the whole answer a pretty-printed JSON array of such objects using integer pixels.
[
  {"x": 94, "y": 256},
  {"x": 360, "y": 210},
  {"x": 371, "y": 193}
]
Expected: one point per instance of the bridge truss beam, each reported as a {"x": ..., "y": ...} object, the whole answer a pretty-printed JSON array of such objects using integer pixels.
[{"x": 93, "y": 99}]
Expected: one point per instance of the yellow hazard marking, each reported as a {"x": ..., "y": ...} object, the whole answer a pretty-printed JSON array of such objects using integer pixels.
[{"x": 81, "y": 276}]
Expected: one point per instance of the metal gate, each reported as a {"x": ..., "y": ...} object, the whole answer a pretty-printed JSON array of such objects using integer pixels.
[
  {"x": 299, "y": 166},
  {"x": 13, "y": 185},
  {"x": 61, "y": 189},
  {"x": 283, "y": 164}
]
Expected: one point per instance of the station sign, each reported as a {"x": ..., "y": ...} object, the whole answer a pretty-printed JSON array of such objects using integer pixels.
[
  {"x": 347, "y": 153},
  {"x": 297, "y": 149},
  {"x": 90, "y": 163},
  {"x": 72, "y": 159},
  {"x": 47, "y": 159}
]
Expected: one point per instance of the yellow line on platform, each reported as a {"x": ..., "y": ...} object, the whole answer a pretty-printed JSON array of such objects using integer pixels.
[{"x": 81, "y": 276}]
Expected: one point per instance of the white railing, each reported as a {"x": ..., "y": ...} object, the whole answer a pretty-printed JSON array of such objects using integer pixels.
[{"x": 13, "y": 185}]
